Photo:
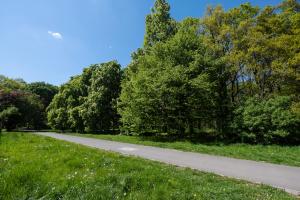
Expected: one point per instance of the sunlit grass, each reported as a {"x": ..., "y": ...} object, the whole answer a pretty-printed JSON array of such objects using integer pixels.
[{"x": 33, "y": 167}]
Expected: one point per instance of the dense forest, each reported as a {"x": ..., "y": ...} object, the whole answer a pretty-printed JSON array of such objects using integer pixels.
[{"x": 231, "y": 75}]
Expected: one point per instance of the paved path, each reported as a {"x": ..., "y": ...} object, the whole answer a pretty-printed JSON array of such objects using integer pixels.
[{"x": 279, "y": 176}]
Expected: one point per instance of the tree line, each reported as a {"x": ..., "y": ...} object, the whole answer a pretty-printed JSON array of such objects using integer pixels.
[
  {"x": 24, "y": 105},
  {"x": 231, "y": 75}
]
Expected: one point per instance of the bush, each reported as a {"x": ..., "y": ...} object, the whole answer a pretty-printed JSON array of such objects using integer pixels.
[
  {"x": 9, "y": 117},
  {"x": 267, "y": 121}
]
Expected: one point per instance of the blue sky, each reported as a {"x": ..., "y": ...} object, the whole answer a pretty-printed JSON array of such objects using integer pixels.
[{"x": 51, "y": 40}]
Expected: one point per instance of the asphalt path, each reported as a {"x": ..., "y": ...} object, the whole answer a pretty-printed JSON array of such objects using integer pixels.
[{"x": 279, "y": 176}]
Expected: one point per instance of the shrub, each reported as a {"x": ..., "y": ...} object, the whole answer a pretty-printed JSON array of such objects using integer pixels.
[{"x": 267, "y": 120}]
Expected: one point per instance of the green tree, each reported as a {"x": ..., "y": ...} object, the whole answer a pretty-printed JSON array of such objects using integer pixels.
[
  {"x": 10, "y": 84},
  {"x": 87, "y": 101},
  {"x": 63, "y": 110},
  {"x": 172, "y": 89},
  {"x": 20, "y": 109},
  {"x": 45, "y": 91},
  {"x": 159, "y": 24},
  {"x": 99, "y": 107}
]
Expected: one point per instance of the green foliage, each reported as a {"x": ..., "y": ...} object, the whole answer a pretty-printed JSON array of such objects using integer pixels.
[
  {"x": 87, "y": 102},
  {"x": 23, "y": 105},
  {"x": 172, "y": 89},
  {"x": 159, "y": 25},
  {"x": 99, "y": 108},
  {"x": 20, "y": 109},
  {"x": 10, "y": 84},
  {"x": 60, "y": 170},
  {"x": 192, "y": 76},
  {"x": 268, "y": 120},
  {"x": 188, "y": 77},
  {"x": 9, "y": 117},
  {"x": 33, "y": 112},
  {"x": 45, "y": 91},
  {"x": 60, "y": 112}
]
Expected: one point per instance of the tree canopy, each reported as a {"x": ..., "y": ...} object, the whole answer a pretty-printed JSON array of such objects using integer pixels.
[
  {"x": 203, "y": 74},
  {"x": 44, "y": 90},
  {"x": 88, "y": 101},
  {"x": 159, "y": 24},
  {"x": 21, "y": 107}
]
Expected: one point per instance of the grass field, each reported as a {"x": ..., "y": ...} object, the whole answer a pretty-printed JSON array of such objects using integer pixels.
[
  {"x": 33, "y": 167},
  {"x": 287, "y": 155}
]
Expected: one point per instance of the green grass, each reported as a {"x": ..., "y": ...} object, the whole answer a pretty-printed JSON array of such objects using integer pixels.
[
  {"x": 34, "y": 167},
  {"x": 272, "y": 153}
]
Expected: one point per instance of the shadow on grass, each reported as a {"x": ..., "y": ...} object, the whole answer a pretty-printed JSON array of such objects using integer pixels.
[
  {"x": 199, "y": 138},
  {"x": 204, "y": 138}
]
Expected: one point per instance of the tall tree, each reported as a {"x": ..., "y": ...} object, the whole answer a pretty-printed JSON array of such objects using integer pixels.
[
  {"x": 172, "y": 90},
  {"x": 87, "y": 101},
  {"x": 61, "y": 112},
  {"x": 215, "y": 38},
  {"x": 159, "y": 24},
  {"x": 99, "y": 107}
]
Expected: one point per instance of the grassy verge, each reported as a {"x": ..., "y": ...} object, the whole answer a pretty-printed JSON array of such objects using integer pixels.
[
  {"x": 33, "y": 167},
  {"x": 272, "y": 153}
]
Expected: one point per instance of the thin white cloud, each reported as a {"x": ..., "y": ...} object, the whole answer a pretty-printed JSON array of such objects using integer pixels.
[
  {"x": 55, "y": 35},
  {"x": 110, "y": 47}
]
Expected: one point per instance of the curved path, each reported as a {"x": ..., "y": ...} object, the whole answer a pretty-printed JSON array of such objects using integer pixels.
[{"x": 279, "y": 176}]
